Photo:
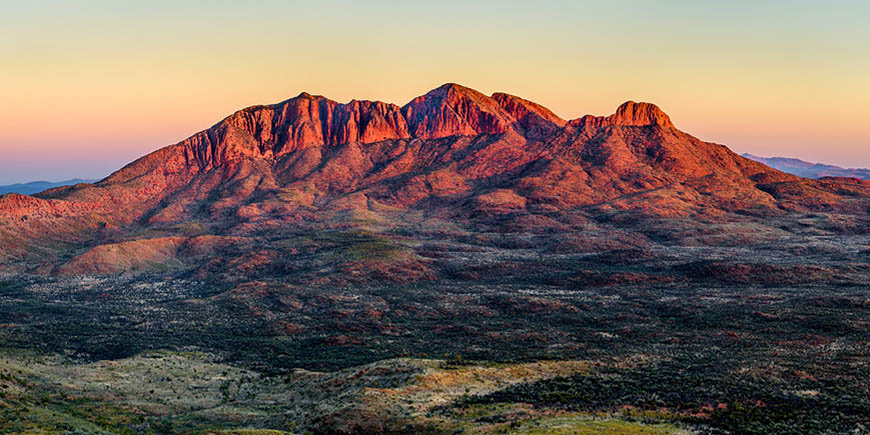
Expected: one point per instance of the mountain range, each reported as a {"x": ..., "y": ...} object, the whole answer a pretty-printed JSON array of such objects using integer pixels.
[
  {"x": 809, "y": 170},
  {"x": 39, "y": 186},
  {"x": 451, "y": 163}
]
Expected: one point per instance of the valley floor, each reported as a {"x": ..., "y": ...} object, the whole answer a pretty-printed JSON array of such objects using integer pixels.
[
  {"x": 188, "y": 391},
  {"x": 710, "y": 361},
  {"x": 682, "y": 339}
]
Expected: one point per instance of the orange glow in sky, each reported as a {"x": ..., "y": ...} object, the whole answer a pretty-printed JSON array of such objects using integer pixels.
[{"x": 89, "y": 87}]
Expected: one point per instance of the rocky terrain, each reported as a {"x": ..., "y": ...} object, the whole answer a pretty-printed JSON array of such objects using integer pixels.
[{"x": 461, "y": 263}]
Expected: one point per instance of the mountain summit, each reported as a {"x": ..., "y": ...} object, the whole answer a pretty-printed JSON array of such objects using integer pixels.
[
  {"x": 640, "y": 114},
  {"x": 499, "y": 162}
]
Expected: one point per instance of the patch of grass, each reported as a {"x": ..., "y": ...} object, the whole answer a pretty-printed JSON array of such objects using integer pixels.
[
  {"x": 43, "y": 418},
  {"x": 582, "y": 425},
  {"x": 363, "y": 245},
  {"x": 249, "y": 432}
]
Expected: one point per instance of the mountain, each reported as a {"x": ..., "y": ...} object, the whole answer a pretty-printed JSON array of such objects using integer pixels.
[
  {"x": 809, "y": 170},
  {"x": 451, "y": 163},
  {"x": 462, "y": 263},
  {"x": 39, "y": 186}
]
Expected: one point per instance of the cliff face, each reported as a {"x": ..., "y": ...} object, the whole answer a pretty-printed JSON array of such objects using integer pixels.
[
  {"x": 628, "y": 114},
  {"x": 271, "y": 132},
  {"x": 309, "y": 126},
  {"x": 455, "y": 110},
  {"x": 448, "y": 142},
  {"x": 313, "y": 121},
  {"x": 295, "y": 125}
]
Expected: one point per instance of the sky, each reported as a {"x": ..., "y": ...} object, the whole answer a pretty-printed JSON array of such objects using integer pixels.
[{"x": 88, "y": 86}]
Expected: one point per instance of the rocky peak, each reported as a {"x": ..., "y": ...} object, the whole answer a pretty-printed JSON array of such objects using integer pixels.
[
  {"x": 520, "y": 108},
  {"x": 301, "y": 122},
  {"x": 313, "y": 121},
  {"x": 630, "y": 114},
  {"x": 640, "y": 114},
  {"x": 532, "y": 118},
  {"x": 451, "y": 110}
]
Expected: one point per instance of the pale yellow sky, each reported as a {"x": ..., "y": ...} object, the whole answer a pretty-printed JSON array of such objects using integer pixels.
[{"x": 88, "y": 87}]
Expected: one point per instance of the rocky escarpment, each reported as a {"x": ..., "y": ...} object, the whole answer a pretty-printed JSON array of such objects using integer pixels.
[
  {"x": 628, "y": 114},
  {"x": 450, "y": 143},
  {"x": 453, "y": 152},
  {"x": 307, "y": 121}
]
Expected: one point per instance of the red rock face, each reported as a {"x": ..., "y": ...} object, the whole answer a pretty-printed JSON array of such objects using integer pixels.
[
  {"x": 451, "y": 152},
  {"x": 323, "y": 149},
  {"x": 294, "y": 125},
  {"x": 455, "y": 110},
  {"x": 533, "y": 120},
  {"x": 628, "y": 114},
  {"x": 639, "y": 115}
]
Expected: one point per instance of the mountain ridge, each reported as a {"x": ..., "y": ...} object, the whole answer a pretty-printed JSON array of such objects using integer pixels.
[
  {"x": 484, "y": 163},
  {"x": 305, "y": 121},
  {"x": 806, "y": 169}
]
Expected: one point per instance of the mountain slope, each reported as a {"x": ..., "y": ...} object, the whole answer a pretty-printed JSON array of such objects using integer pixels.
[{"x": 451, "y": 157}]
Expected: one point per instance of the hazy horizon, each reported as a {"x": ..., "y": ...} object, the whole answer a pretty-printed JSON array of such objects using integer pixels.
[
  {"x": 90, "y": 88},
  {"x": 100, "y": 176}
]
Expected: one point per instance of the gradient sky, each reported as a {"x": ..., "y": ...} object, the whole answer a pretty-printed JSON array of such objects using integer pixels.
[{"x": 87, "y": 86}]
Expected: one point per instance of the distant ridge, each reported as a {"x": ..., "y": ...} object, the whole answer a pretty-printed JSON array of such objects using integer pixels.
[
  {"x": 806, "y": 169},
  {"x": 39, "y": 186}
]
